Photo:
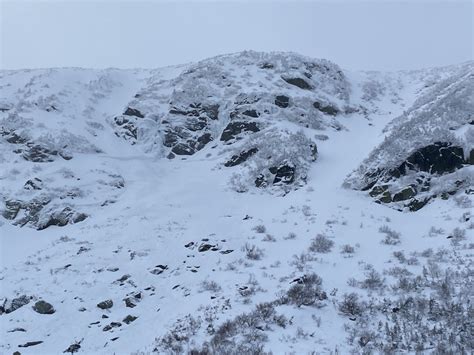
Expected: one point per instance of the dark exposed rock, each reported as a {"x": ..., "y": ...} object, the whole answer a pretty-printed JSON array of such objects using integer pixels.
[
  {"x": 158, "y": 269},
  {"x": 299, "y": 82},
  {"x": 14, "y": 304},
  {"x": 183, "y": 149},
  {"x": 12, "y": 207},
  {"x": 129, "y": 319},
  {"x": 65, "y": 155},
  {"x": 233, "y": 129},
  {"x": 14, "y": 138},
  {"x": 195, "y": 124},
  {"x": 17, "y": 330},
  {"x": 266, "y": 65},
  {"x": 30, "y": 343},
  {"x": 212, "y": 111},
  {"x": 73, "y": 348},
  {"x": 203, "y": 140},
  {"x": 284, "y": 173},
  {"x": 415, "y": 204},
  {"x": 39, "y": 154},
  {"x": 282, "y": 101},
  {"x": 197, "y": 110},
  {"x": 128, "y": 129},
  {"x": 205, "y": 247},
  {"x": 404, "y": 194},
  {"x": 328, "y": 109},
  {"x": 242, "y": 157},
  {"x": 133, "y": 112},
  {"x": 61, "y": 218},
  {"x": 43, "y": 307},
  {"x": 427, "y": 162},
  {"x": 386, "y": 197},
  {"x": 132, "y": 300},
  {"x": 251, "y": 113},
  {"x": 261, "y": 181},
  {"x": 437, "y": 158},
  {"x": 31, "y": 210},
  {"x": 377, "y": 190},
  {"x": 470, "y": 160},
  {"x": 33, "y": 184},
  {"x": 105, "y": 304},
  {"x": 111, "y": 326}
]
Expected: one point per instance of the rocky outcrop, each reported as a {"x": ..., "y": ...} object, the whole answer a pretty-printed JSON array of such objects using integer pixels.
[
  {"x": 327, "y": 109},
  {"x": 422, "y": 168},
  {"x": 241, "y": 157},
  {"x": 43, "y": 307},
  {"x": 35, "y": 214},
  {"x": 234, "y": 129},
  {"x": 12, "y": 305}
]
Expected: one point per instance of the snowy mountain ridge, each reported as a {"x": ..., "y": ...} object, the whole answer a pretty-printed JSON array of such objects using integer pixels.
[{"x": 214, "y": 207}]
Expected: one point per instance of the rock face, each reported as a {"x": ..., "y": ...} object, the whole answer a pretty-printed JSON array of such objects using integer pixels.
[
  {"x": 437, "y": 158},
  {"x": 35, "y": 213},
  {"x": 422, "y": 159},
  {"x": 422, "y": 168},
  {"x": 62, "y": 218}
]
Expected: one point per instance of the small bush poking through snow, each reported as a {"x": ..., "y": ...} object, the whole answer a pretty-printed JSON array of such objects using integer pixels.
[
  {"x": 391, "y": 237},
  {"x": 245, "y": 334},
  {"x": 373, "y": 280},
  {"x": 211, "y": 286},
  {"x": 269, "y": 238},
  {"x": 321, "y": 244},
  {"x": 347, "y": 250},
  {"x": 434, "y": 232},
  {"x": 350, "y": 305},
  {"x": 290, "y": 235},
  {"x": 260, "y": 228},
  {"x": 252, "y": 252},
  {"x": 306, "y": 291}
]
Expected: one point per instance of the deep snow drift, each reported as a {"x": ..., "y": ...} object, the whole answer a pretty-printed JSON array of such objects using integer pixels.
[{"x": 248, "y": 203}]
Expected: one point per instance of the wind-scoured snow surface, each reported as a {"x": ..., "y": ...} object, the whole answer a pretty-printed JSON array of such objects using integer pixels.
[{"x": 248, "y": 203}]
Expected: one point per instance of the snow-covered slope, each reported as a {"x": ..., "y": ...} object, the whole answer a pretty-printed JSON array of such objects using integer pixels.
[{"x": 206, "y": 207}]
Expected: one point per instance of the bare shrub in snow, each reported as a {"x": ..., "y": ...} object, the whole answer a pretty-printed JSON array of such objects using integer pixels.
[
  {"x": 210, "y": 285},
  {"x": 373, "y": 280},
  {"x": 434, "y": 232},
  {"x": 260, "y": 228},
  {"x": 238, "y": 183},
  {"x": 252, "y": 252},
  {"x": 269, "y": 238},
  {"x": 321, "y": 244},
  {"x": 391, "y": 237},
  {"x": 463, "y": 201},
  {"x": 180, "y": 335},
  {"x": 245, "y": 334},
  {"x": 351, "y": 305},
  {"x": 290, "y": 235},
  {"x": 300, "y": 261},
  {"x": 306, "y": 291},
  {"x": 347, "y": 250}
]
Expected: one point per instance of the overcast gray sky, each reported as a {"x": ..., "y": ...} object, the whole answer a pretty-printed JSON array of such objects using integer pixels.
[{"x": 357, "y": 35}]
